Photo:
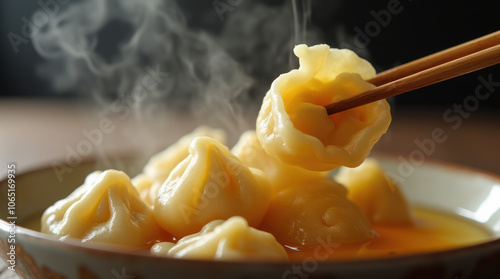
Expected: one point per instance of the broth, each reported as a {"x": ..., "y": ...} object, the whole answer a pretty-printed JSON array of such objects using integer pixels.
[{"x": 432, "y": 231}]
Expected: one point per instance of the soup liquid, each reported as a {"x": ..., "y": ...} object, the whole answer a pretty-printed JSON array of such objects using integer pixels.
[{"x": 432, "y": 231}]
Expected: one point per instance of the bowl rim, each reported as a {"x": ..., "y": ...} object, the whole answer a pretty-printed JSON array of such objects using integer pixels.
[{"x": 118, "y": 251}]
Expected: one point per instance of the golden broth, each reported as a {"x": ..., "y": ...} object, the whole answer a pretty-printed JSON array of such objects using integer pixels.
[{"x": 432, "y": 231}]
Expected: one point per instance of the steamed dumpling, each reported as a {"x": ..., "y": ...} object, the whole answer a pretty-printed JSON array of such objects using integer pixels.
[
  {"x": 293, "y": 124},
  {"x": 375, "y": 193},
  {"x": 250, "y": 151},
  {"x": 160, "y": 165},
  {"x": 305, "y": 215},
  {"x": 210, "y": 184},
  {"x": 106, "y": 208},
  {"x": 225, "y": 240},
  {"x": 145, "y": 185}
]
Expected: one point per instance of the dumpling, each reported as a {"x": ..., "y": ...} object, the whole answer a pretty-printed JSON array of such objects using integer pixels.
[
  {"x": 160, "y": 165},
  {"x": 249, "y": 151},
  {"x": 305, "y": 215},
  {"x": 145, "y": 185},
  {"x": 375, "y": 193},
  {"x": 106, "y": 208},
  {"x": 210, "y": 184},
  {"x": 224, "y": 240},
  {"x": 293, "y": 124}
]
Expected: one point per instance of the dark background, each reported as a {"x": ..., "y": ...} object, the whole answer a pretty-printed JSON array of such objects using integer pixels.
[{"x": 423, "y": 27}]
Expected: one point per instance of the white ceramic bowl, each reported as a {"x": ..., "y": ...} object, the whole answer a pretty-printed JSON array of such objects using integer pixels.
[{"x": 466, "y": 192}]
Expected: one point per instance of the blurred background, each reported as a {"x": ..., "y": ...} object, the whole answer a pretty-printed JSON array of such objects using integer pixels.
[{"x": 103, "y": 78}]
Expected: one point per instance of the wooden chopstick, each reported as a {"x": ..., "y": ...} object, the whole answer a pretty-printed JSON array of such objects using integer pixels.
[
  {"x": 437, "y": 58},
  {"x": 460, "y": 66}
]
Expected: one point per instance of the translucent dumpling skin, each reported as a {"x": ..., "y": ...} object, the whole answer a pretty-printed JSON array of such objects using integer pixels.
[
  {"x": 224, "y": 240},
  {"x": 375, "y": 193},
  {"x": 307, "y": 215},
  {"x": 161, "y": 164},
  {"x": 210, "y": 184},
  {"x": 293, "y": 124},
  {"x": 250, "y": 151},
  {"x": 106, "y": 209},
  {"x": 146, "y": 186}
]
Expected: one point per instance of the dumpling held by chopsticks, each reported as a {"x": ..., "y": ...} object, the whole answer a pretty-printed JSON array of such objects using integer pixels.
[{"x": 293, "y": 124}]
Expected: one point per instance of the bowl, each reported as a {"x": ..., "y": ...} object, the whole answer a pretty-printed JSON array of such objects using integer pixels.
[{"x": 459, "y": 190}]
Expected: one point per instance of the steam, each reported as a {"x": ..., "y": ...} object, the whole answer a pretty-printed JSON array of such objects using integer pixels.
[
  {"x": 156, "y": 36},
  {"x": 144, "y": 53}
]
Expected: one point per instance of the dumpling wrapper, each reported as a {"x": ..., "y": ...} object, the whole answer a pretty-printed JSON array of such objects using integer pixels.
[
  {"x": 210, "y": 184},
  {"x": 249, "y": 150},
  {"x": 147, "y": 188},
  {"x": 230, "y": 240},
  {"x": 375, "y": 193},
  {"x": 293, "y": 124},
  {"x": 306, "y": 215},
  {"x": 160, "y": 165},
  {"x": 105, "y": 209}
]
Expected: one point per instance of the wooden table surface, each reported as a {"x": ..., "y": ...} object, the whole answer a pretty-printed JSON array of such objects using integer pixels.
[{"x": 37, "y": 133}]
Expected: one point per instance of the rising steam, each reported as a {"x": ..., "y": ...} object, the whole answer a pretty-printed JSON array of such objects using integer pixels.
[
  {"x": 209, "y": 70},
  {"x": 144, "y": 53}
]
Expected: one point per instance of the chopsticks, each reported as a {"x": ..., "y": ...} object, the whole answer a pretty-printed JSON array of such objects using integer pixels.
[{"x": 456, "y": 61}]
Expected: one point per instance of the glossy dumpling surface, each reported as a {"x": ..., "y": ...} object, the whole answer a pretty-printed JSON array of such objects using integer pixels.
[
  {"x": 146, "y": 186},
  {"x": 161, "y": 164},
  {"x": 372, "y": 190},
  {"x": 305, "y": 215},
  {"x": 106, "y": 208},
  {"x": 210, "y": 184},
  {"x": 225, "y": 240},
  {"x": 293, "y": 125},
  {"x": 280, "y": 174}
]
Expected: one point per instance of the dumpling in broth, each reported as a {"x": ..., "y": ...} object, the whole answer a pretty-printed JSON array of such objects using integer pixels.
[
  {"x": 106, "y": 209},
  {"x": 370, "y": 188},
  {"x": 280, "y": 174},
  {"x": 145, "y": 185},
  {"x": 160, "y": 165},
  {"x": 210, "y": 184},
  {"x": 224, "y": 240},
  {"x": 304, "y": 215},
  {"x": 293, "y": 124}
]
